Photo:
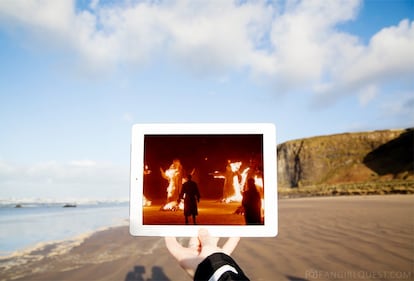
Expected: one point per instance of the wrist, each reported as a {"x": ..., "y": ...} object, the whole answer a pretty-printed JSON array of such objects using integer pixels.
[{"x": 218, "y": 265}]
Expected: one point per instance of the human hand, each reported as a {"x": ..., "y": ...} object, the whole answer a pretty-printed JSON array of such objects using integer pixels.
[{"x": 198, "y": 249}]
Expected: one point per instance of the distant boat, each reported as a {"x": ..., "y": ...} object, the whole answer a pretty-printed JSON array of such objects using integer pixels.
[
  {"x": 18, "y": 206},
  {"x": 69, "y": 206}
]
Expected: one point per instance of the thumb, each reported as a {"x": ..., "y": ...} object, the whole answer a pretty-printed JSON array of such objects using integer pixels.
[{"x": 206, "y": 240}]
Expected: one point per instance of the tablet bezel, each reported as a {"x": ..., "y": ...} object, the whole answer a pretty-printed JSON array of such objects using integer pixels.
[{"x": 268, "y": 130}]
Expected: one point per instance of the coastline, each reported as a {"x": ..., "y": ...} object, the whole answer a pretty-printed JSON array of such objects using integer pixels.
[
  {"x": 319, "y": 238},
  {"x": 52, "y": 248},
  {"x": 34, "y": 225}
]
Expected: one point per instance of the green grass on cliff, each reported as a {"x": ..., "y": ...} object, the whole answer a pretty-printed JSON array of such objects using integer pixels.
[{"x": 367, "y": 188}]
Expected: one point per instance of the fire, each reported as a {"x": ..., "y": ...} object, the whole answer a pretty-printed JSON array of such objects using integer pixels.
[
  {"x": 234, "y": 181},
  {"x": 174, "y": 176},
  {"x": 145, "y": 201},
  {"x": 171, "y": 174},
  {"x": 147, "y": 170},
  {"x": 258, "y": 181},
  {"x": 173, "y": 206}
]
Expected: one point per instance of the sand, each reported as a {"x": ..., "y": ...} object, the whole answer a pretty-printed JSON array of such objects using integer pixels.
[{"x": 330, "y": 238}]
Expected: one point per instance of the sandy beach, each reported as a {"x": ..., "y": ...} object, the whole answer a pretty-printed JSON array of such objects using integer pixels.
[{"x": 329, "y": 238}]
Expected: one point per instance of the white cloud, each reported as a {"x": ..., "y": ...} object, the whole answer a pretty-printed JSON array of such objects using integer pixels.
[
  {"x": 216, "y": 38},
  {"x": 290, "y": 45},
  {"x": 304, "y": 42},
  {"x": 94, "y": 4},
  {"x": 367, "y": 94},
  {"x": 389, "y": 54}
]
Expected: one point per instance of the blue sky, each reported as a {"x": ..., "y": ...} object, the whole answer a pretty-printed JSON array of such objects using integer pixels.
[{"x": 76, "y": 75}]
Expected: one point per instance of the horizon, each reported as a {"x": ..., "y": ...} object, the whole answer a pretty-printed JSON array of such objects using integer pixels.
[
  {"x": 78, "y": 74},
  {"x": 86, "y": 200}
]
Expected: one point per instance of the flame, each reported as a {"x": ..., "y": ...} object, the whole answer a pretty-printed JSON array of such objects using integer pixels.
[
  {"x": 238, "y": 180},
  {"x": 171, "y": 173},
  {"x": 174, "y": 176},
  {"x": 146, "y": 202},
  {"x": 237, "y": 186},
  {"x": 147, "y": 170},
  {"x": 173, "y": 206},
  {"x": 235, "y": 166},
  {"x": 258, "y": 181}
]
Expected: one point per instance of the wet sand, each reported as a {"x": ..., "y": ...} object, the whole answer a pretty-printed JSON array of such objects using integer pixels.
[{"x": 331, "y": 238}]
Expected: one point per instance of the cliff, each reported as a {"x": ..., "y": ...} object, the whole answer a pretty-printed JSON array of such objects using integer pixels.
[{"x": 365, "y": 157}]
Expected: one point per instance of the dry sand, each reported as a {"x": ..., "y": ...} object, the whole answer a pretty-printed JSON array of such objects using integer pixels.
[{"x": 335, "y": 238}]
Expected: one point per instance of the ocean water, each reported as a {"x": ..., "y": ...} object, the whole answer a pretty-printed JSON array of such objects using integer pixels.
[{"x": 38, "y": 223}]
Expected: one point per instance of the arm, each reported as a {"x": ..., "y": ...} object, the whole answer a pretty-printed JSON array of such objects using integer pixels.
[
  {"x": 221, "y": 267},
  {"x": 163, "y": 174}
]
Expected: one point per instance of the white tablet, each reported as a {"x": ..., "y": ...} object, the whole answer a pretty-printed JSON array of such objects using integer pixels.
[{"x": 218, "y": 176}]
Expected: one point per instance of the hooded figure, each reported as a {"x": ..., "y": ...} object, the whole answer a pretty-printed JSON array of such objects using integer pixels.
[{"x": 191, "y": 197}]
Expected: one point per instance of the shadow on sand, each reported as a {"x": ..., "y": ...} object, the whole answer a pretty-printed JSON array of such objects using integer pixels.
[
  {"x": 139, "y": 271},
  {"x": 294, "y": 278}
]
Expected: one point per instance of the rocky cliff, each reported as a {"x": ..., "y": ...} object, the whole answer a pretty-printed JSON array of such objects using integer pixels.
[{"x": 376, "y": 156}]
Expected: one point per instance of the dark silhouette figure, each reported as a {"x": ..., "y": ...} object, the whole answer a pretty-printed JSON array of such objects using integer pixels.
[
  {"x": 136, "y": 275},
  {"x": 158, "y": 274},
  {"x": 139, "y": 272},
  {"x": 252, "y": 204},
  {"x": 191, "y": 197}
]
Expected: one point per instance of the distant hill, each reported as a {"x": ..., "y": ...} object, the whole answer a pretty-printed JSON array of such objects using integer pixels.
[{"x": 350, "y": 160}]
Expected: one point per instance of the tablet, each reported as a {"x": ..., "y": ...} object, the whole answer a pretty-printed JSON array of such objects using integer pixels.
[{"x": 218, "y": 176}]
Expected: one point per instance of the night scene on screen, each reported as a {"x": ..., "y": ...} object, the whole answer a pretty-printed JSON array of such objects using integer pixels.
[{"x": 203, "y": 179}]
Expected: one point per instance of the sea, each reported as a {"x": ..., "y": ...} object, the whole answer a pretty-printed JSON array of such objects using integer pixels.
[{"x": 29, "y": 224}]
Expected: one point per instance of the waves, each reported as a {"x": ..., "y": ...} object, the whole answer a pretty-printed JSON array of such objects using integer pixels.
[{"x": 40, "y": 224}]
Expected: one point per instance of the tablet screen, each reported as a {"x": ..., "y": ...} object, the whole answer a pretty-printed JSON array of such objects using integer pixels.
[{"x": 217, "y": 176}]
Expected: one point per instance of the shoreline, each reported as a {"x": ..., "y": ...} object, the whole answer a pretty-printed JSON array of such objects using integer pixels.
[
  {"x": 47, "y": 247},
  {"x": 318, "y": 237},
  {"x": 57, "y": 247},
  {"x": 80, "y": 238},
  {"x": 26, "y": 229}
]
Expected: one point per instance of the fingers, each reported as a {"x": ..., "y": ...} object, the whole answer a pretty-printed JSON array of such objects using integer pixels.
[
  {"x": 173, "y": 246},
  {"x": 194, "y": 244},
  {"x": 206, "y": 239},
  {"x": 203, "y": 243}
]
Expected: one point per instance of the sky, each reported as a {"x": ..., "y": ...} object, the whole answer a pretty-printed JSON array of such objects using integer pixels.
[{"x": 76, "y": 75}]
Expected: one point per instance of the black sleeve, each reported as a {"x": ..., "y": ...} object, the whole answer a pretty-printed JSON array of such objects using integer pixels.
[{"x": 219, "y": 267}]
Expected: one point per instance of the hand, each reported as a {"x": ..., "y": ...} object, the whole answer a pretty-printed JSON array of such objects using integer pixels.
[{"x": 198, "y": 249}]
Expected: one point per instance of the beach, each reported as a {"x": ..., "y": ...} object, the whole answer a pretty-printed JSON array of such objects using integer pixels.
[{"x": 319, "y": 238}]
